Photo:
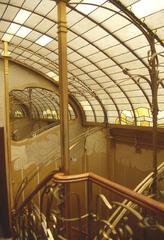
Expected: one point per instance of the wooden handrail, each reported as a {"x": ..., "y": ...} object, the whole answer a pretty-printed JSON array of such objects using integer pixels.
[
  {"x": 125, "y": 192},
  {"x": 59, "y": 177}
]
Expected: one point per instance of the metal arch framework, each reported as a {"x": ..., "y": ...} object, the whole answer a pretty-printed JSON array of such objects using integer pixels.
[
  {"x": 147, "y": 36},
  {"x": 83, "y": 71},
  {"x": 73, "y": 100},
  {"x": 18, "y": 98},
  {"x": 145, "y": 29},
  {"x": 56, "y": 86},
  {"x": 129, "y": 16},
  {"x": 101, "y": 86},
  {"x": 35, "y": 104},
  {"x": 18, "y": 105},
  {"x": 54, "y": 102},
  {"x": 114, "y": 36},
  {"x": 77, "y": 34},
  {"x": 120, "y": 6},
  {"x": 88, "y": 87},
  {"x": 92, "y": 93},
  {"x": 119, "y": 40},
  {"x": 35, "y": 113},
  {"x": 35, "y": 101},
  {"x": 132, "y": 18}
]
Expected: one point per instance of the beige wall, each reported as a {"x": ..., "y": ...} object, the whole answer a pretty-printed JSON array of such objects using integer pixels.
[
  {"x": 30, "y": 154},
  {"x": 20, "y": 78},
  {"x": 128, "y": 166},
  {"x": 23, "y": 127},
  {"x": 90, "y": 155},
  {"x": 120, "y": 162}
]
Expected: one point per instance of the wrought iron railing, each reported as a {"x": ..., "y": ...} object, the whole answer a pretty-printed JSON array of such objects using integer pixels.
[
  {"x": 81, "y": 206},
  {"x": 144, "y": 187}
]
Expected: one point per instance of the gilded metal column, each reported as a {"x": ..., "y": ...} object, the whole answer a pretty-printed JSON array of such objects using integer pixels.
[
  {"x": 63, "y": 85},
  {"x": 63, "y": 89},
  {"x": 153, "y": 63},
  {"x": 7, "y": 133}
]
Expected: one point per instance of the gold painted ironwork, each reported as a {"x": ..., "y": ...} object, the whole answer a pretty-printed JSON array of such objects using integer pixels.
[{"x": 46, "y": 220}]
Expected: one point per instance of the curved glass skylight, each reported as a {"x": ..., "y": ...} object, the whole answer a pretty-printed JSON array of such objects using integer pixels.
[
  {"x": 39, "y": 103},
  {"x": 108, "y": 46}
]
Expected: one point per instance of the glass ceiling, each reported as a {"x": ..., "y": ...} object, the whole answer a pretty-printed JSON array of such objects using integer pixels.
[
  {"x": 36, "y": 103},
  {"x": 108, "y": 46}
]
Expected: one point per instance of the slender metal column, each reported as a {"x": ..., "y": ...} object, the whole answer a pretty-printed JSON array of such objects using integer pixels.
[
  {"x": 63, "y": 85},
  {"x": 7, "y": 133},
  {"x": 63, "y": 89},
  {"x": 153, "y": 62}
]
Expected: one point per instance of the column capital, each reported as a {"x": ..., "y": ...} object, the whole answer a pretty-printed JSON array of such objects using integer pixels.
[{"x": 5, "y": 49}]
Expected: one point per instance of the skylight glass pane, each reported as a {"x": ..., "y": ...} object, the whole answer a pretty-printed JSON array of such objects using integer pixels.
[
  {"x": 23, "y": 32},
  {"x": 7, "y": 37},
  {"x": 144, "y": 8},
  {"x": 53, "y": 75},
  {"x": 13, "y": 28},
  {"x": 44, "y": 40},
  {"x": 87, "y": 8},
  {"x": 22, "y": 16}
]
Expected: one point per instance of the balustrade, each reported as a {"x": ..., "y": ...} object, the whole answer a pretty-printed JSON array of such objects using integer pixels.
[{"x": 98, "y": 209}]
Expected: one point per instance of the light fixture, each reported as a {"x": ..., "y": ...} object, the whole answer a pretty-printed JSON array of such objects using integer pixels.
[
  {"x": 23, "y": 32},
  {"x": 22, "y": 16},
  {"x": 43, "y": 40},
  {"x": 144, "y": 8}
]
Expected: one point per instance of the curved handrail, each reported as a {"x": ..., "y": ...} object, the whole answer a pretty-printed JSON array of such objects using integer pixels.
[
  {"x": 56, "y": 179},
  {"x": 114, "y": 187},
  {"x": 125, "y": 192}
]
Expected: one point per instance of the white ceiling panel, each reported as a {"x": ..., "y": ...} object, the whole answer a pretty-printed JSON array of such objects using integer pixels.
[
  {"x": 2, "y": 9},
  {"x": 83, "y": 26},
  {"x": 73, "y": 18},
  {"x": 97, "y": 32},
  {"x": 45, "y": 7},
  {"x": 78, "y": 43},
  {"x": 4, "y": 25},
  {"x": 106, "y": 42},
  {"x": 44, "y": 26},
  {"x": 10, "y": 13},
  {"x": 34, "y": 20},
  {"x": 100, "y": 15}
]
